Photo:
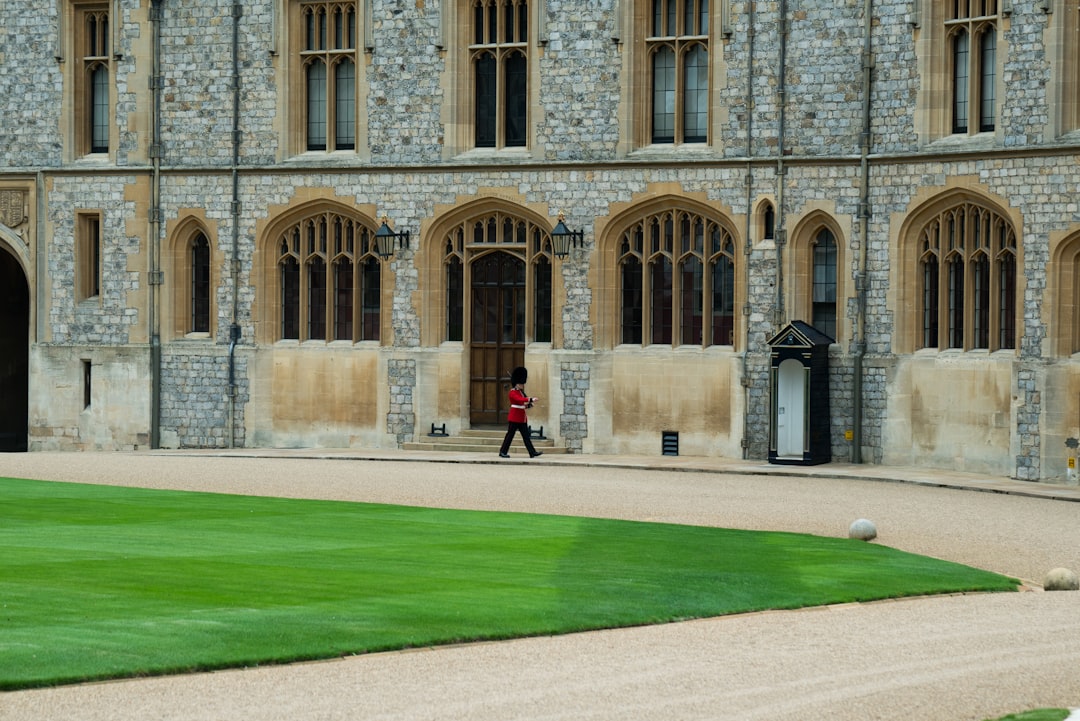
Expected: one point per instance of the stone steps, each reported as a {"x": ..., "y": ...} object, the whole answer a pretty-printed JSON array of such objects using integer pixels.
[{"x": 480, "y": 440}]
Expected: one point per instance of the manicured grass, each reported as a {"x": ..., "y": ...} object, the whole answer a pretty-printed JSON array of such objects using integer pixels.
[
  {"x": 1044, "y": 714},
  {"x": 99, "y": 581}
]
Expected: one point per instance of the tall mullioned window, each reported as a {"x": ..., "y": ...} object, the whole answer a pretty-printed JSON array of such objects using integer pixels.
[
  {"x": 92, "y": 82},
  {"x": 971, "y": 29},
  {"x": 677, "y": 45},
  {"x": 677, "y": 281},
  {"x": 330, "y": 280},
  {"x": 498, "y": 54},
  {"x": 823, "y": 302},
  {"x": 200, "y": 284},
  {"x": 967, "y": 273},
  {"x": 328, "y": 57}
]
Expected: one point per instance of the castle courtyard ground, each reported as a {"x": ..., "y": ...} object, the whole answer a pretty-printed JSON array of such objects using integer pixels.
[{"x": 955, "y": 657}]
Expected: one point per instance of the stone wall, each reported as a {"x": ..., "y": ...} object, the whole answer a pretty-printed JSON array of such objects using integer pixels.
[{"x": 582, "y": 160}]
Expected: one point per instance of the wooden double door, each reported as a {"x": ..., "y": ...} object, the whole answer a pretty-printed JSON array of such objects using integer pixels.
[{"x": 497, "y": 342}]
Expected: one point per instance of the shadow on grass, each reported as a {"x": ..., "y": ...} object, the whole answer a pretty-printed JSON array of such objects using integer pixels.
[{"x": 104, "y": 582}]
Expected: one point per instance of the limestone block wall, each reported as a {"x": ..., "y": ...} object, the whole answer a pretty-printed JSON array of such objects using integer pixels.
[{"x": 108, "y": 411}]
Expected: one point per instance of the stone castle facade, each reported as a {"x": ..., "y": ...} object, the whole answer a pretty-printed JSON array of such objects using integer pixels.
[{"x": 190, "y": 194}]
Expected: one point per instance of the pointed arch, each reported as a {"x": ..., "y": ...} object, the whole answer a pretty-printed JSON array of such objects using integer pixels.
[
  {"x": 1064, "y": 292},
  {"x": 321, "y": 279},
  {"x": 191, "y": 264},
  {"x": 669, "y": 269},
  {"x": 465, "y": 233},
  {"x": 819, "y": 273},
  {"x": 960, "y": 285}
]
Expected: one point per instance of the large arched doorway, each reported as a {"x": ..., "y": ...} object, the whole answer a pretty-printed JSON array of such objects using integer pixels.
[
  {"x": 14, "y": 353},
  {"x": 497, "y": 344},
  {"x": 491, "y": 276}
]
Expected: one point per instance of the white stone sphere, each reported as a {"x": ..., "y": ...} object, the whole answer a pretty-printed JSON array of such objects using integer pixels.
[
  {"x": 863, "y": 530},
  {"x": 1061, "y": 579}
]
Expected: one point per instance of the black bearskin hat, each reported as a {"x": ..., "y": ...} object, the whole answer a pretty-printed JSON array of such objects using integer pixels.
[{"x": 519, "y": 375}]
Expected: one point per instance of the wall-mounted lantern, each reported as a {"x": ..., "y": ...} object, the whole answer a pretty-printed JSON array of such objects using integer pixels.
[
  {"x": 387, "y": 241},
  {"x": 562, "y": 238}
]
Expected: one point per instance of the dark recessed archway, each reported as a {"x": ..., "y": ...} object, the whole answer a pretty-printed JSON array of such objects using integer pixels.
[{"x": 14, "y": 354}]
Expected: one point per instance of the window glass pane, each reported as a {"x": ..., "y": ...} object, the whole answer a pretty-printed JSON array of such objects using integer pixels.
[
  {"x": 930, "y": 303},
  {"x": 696, "y": 101},
  {"x": 987, "y": 92},
  {"x": 660, "y": 300},
  {"x": 723, "y": 302},
  {"x": 345, "y": 106},
  {"x": 516, "y": 100},
  {"x": 316, "y": 106},
  {"x": 316, "y": 298},
  {"x": 823, "y": 301},
  {"x": 980, "y": 318},
  {"x": 1007, "y": 302},
  {"x": 485, "y": 100},
  {"x": 542, "y": 302},
  {"x": 956, "y": 303},
  {"x": 200, "y": 285},
  {"x": 455, "y": 301},
  {"x": 663, "y": 115},
  {"x": 371, "y": 295},
  {"x": 691, "y": 287},
  {"x": 960, "y": 83},
  {"x": 343, "y": 299},
  {"x": 99, "y": 110},
  {"x": 631, "y": 301},
  {"x": 290, "y": 299}
]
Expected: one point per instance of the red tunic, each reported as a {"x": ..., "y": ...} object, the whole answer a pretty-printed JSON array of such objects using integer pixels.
[{"x": 518, "y": 401}]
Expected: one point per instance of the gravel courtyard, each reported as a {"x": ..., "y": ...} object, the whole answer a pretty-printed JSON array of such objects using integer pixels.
[{"x": 955, "y": 658}]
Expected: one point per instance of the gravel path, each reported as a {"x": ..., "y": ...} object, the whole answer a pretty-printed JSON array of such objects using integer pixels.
[{"x": 950, "y": 658}]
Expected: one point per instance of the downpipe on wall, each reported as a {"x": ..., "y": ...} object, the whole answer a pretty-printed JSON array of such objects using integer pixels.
[
  {"x": 155, "y": 279},
  {"x": 781, "y": 170},
  {"x": 234, "y": 261},
  {"x": 748, "y": 245},
  {"x": 864, "y": 235}
]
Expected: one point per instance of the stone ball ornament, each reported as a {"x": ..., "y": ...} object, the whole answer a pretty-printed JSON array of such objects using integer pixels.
[
  {"x": 863, "y": 530},
  {"x": 1061, "y": 579}
]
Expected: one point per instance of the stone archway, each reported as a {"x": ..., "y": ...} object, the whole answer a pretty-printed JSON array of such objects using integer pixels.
[{"x": 14, "y": 354}]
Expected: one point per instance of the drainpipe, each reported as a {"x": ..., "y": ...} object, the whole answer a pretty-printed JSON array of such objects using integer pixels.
[
  {"x": 747, "y": 247},
  {"x": 234, "y": 262},
  {"x": 864, "y": 236},
  {"x": 781, "y": 230},
  {"x": 154, "y": 249}
]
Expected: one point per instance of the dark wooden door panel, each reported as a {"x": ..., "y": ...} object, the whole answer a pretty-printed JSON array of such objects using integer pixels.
[{"x": 497, "y": 341}]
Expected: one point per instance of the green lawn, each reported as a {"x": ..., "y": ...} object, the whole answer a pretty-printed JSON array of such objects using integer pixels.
[{"x": 101, "y": 581}]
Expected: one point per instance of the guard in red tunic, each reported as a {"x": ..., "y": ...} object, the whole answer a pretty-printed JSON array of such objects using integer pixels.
[{"x": 518, "y": 421}]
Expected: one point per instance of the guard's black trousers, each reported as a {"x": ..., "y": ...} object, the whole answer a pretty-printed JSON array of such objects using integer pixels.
[{"x": 523, "y": 429}]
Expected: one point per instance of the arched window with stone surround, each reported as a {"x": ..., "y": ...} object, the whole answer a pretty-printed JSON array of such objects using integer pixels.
[
  {"x": 676, "y": 274},
  {"x": 966, "y": 271},
  {"x": 189, "y": 263},
  {"x": 1065, "y": 292},
  {"x": 329, "y": 280}
]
